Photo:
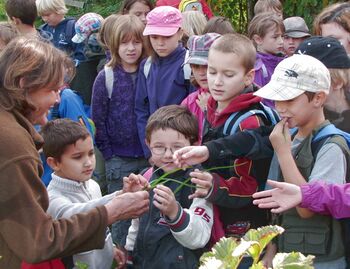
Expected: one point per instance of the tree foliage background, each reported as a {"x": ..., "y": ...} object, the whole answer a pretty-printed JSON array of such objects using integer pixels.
[{"x": 239, "y": 12}]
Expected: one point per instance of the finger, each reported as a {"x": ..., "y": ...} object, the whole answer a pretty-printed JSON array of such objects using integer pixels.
[
  {"x": 277, "y": 210},
  {"x": 262, "y": 194},
  {"x": 268, "y": 205},
  {"x": 275, "y": 184}
]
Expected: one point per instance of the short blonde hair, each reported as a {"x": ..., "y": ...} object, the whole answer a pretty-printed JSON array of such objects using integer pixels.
[
  {"x": 54, "y": 6},
  {"x": 123, "y": 28},
  {"x": 238, "y": 44}
]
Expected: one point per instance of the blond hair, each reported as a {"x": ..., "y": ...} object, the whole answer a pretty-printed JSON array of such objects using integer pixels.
[
  {"x": 262, "y": 23},
  {"x": 28, "y": 65},
  {"x": 48, "y": 6},
  {"x": 105, "y": 30},
  {"x": 341, "y": 76},
  {"x": 238, "y": 44},
  {"x": 262, "y": 6},
  {"x": 124, "y": 28},
  {"x": 338, "y": 13}
]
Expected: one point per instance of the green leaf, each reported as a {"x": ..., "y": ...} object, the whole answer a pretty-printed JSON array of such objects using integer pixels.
[
  {"x": 263, "y": 235},
  {"x": 259, "y": 265},
  {"x": 293, "y": 260}
]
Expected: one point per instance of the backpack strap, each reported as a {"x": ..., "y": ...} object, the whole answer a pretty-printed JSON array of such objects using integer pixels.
[
  {"x": 232, "y": 123},
  {"x": 264, "y": 71},
  {"x": 331, "y": 134},
  {"x": 186, "y": 67},
  {"x": 70, "y": 29},
  {"x": 109, "y": 80},
  {"x": 147, "y": 66}
]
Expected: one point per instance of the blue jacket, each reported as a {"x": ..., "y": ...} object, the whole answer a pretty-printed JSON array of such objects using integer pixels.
[
  {"x": 71, "y": 107},
  {"x": 165, "y": 85},
  {"x": 115, "y": 120},
  {"x": 63, "y": 42}
]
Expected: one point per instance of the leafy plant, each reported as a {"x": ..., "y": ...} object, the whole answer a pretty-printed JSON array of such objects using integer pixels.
[{"x": 228, "y": 252}]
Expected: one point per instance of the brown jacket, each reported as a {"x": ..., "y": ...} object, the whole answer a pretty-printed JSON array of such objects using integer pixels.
[{"x": 26, "y": 231}]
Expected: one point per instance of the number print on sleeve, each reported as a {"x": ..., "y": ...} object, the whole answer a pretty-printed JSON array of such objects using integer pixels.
[{"x": 201, "y": 212}]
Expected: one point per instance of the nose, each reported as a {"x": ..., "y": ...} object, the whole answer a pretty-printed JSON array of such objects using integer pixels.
[
  {"x": 58, "y": 96},
  {"x": 280, "y": 107},
  {"x": 131, "y": 46},
  {"x": 143, "y": 18},
  {"x": 218, "y": 80},
  {"x": 280, "y": 40},
  {"x": 168, "y": 152},
  {"x": 88, "y": 162}
]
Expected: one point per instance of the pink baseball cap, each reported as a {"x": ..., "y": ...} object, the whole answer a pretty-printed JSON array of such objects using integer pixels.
[{"x": 163, "y": 21}]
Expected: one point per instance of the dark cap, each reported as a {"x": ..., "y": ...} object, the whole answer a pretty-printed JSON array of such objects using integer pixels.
[
  {"x": 296, "y": 27},
  {"x": 326, "y": 49}
]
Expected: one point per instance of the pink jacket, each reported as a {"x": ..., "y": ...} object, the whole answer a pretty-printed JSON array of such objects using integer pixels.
[
  {"x": 333, "y": 199},
  {"x": 190, "y": 103}
]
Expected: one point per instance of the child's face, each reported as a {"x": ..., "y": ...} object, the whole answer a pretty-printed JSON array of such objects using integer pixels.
[
  {"x": 298, "y": 111},
  {"x": 272, "y": 42},
  {"x": 130, "y": 52},
  {"x": 290, "y": 44},
  {"x": 333, "y": 29},
  {"x": 52, "y": 19},
  {"x": 165, "y": 45},
  {"x": 226, "y": 77},
  {"x": 77, "y": 162},
  {"x": 163, "y": 143},
  {"x": 140, "y": 10},
  {"x": 200, "y": 75}
]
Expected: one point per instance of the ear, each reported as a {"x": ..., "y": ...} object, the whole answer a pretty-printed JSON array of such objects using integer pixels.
[
  {"x": 257, "y": 39},
  {"x": 319, "y": 99},
  {"x": 53, "y": 163},
  {"x": 249, "y": 77},
  {"x": 180, "y": 33},
  {"x": 147, "y": 143}
]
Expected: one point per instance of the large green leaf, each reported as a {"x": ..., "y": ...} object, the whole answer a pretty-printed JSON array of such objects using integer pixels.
[{"x": 293, "y": 260}]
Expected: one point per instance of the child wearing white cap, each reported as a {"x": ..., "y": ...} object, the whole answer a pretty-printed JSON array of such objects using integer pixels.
[
  {"x": 299, "y": 87},
  {"x": 163, "y": 78}
]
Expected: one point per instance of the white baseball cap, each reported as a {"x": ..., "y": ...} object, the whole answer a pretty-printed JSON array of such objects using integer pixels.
[{"x": 294, "y": 76}]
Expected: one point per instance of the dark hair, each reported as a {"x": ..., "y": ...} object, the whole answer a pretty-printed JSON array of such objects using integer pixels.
[
  {"x": 238, "y": 44},
  {"x": 60, "y": 133},
  {"x": 25, "y": 10},
  {"x": 310, "y": 95},
  {"x": 175, "y": 117},
  {"x": 127, "y": 4},
  {"x": 219, "y": 25}
]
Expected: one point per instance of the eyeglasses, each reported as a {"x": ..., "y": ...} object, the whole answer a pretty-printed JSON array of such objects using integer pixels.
[{"x": 162, "y": 150}]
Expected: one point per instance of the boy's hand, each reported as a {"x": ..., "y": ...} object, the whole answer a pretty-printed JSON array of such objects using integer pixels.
[
  {"x": 134, "y": 183},
  {"x": 120, "y": 257},
  {"x": 204, "y": 182},
  {"x": 202, "y": 100},
  {"x": 280, "y": 137},
  {"x": 190, "y": 155},
  {"x": 164, "y": 200}
]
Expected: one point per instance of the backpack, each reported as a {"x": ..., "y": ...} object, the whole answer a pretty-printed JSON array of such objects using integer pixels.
[
  {"x": 186, "y": 67},
  {"x": 232, "y": 123},
  {"x": 331, "y": 134},
  {"x": 188, "y": 5}
]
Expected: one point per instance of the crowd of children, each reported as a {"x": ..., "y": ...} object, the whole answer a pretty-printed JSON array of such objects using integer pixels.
[{"x": 171, "y": 100}]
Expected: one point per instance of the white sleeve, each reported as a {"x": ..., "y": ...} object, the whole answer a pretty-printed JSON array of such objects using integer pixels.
[
  {"x": 62, "y": 207},
  {"x": 132, "y": 234},
  {"x": 192, "y": 228}
]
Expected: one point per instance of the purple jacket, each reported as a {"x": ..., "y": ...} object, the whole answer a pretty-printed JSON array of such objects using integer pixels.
[
  {"x": 264, "y": 67},
  {"x": 165, "y": 85},
  {"x": 115, "y": 120},
  {"x": 333, "y": 199}
]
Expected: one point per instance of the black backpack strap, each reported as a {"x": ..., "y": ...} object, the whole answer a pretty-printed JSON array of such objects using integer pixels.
[{"x": 70, "y": 28}]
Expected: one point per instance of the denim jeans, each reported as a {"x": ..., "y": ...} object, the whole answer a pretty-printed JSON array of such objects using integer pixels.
[{"x": 116, "y": 169}]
